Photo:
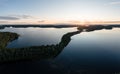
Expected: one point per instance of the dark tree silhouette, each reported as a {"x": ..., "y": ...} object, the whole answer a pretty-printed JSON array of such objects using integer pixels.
[{"x": 40, "y": 52}]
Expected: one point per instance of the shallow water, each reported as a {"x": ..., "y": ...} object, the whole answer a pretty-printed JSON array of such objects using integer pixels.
[{"x": 88, "y": 52}]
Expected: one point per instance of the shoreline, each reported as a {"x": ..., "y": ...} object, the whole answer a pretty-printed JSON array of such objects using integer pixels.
[
  {"x": 44, "y": 52},
  {"x": 58, "y": 26}
]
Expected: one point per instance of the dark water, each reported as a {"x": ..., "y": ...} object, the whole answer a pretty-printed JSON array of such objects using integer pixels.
[{"x": 96, "y": 52}]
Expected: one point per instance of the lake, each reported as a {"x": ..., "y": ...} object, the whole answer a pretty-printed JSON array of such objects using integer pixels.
[
  {"x": 36, "y": 36},
  {"x": 86, "y": 53}
]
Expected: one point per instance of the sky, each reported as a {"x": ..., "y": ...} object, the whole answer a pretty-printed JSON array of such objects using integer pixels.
[{"x": 59, "y": 11}]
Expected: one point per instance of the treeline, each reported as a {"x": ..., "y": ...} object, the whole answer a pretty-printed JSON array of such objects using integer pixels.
[
  {"x": 39, "y": 52},
  {"x": 6, "y": 37},
  {"x": 41, "y": 26},
  {"x": 33, "y": 52}
]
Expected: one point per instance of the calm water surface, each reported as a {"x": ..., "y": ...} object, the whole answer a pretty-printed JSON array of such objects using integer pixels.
[
  {"x": 87, "y": 53},
  {"x": 37, "y": 36}
]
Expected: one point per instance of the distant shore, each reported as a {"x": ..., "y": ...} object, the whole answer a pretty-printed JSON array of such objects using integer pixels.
[
  {"x": 60, "y": 26},
  {"x": 42, "y": 26},
  {"x": 43, "y": 51}
]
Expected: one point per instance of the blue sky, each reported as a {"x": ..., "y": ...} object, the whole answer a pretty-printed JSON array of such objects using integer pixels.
[{"x": 59, "y": 11}]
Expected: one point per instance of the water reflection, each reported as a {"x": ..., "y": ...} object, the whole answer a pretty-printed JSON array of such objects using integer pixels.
[
  {"x": 36, "y": 36},
  {"x": 35, "y": 52},
  {"x": 84, "y": 61}
]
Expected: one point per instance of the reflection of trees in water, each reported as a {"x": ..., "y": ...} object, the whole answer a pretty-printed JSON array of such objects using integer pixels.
[
  {"x": 34, "y": 52},
  {"x": 39, "y": 52}
]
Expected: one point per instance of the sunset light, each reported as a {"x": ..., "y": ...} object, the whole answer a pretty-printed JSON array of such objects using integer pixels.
[{"x": 59, "y": 11}]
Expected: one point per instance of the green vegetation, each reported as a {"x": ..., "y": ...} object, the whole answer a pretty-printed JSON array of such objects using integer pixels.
[
  {"x": 31, "y": 53},
  {"x": 38, "y": 52},
  {"x": 6, "y": 37}
]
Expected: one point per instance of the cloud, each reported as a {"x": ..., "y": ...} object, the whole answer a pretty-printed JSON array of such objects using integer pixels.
[
  {"x": 41, "y": 21},
  {"x": 111, "y": 22},
  {"x": 3, "y": 21},
  {"x": 23, "y": 16},
  {"x": 26, "y": 16},
  {"x": 9, "y": 18},
  {"x": 15, "y": 17},
  {"x": 115, "y": 3},
  {"x": 74, "y": 21}
]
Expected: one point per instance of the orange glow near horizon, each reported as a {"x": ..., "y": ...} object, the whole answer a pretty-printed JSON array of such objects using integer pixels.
[{"x": 81, "y": 22}]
